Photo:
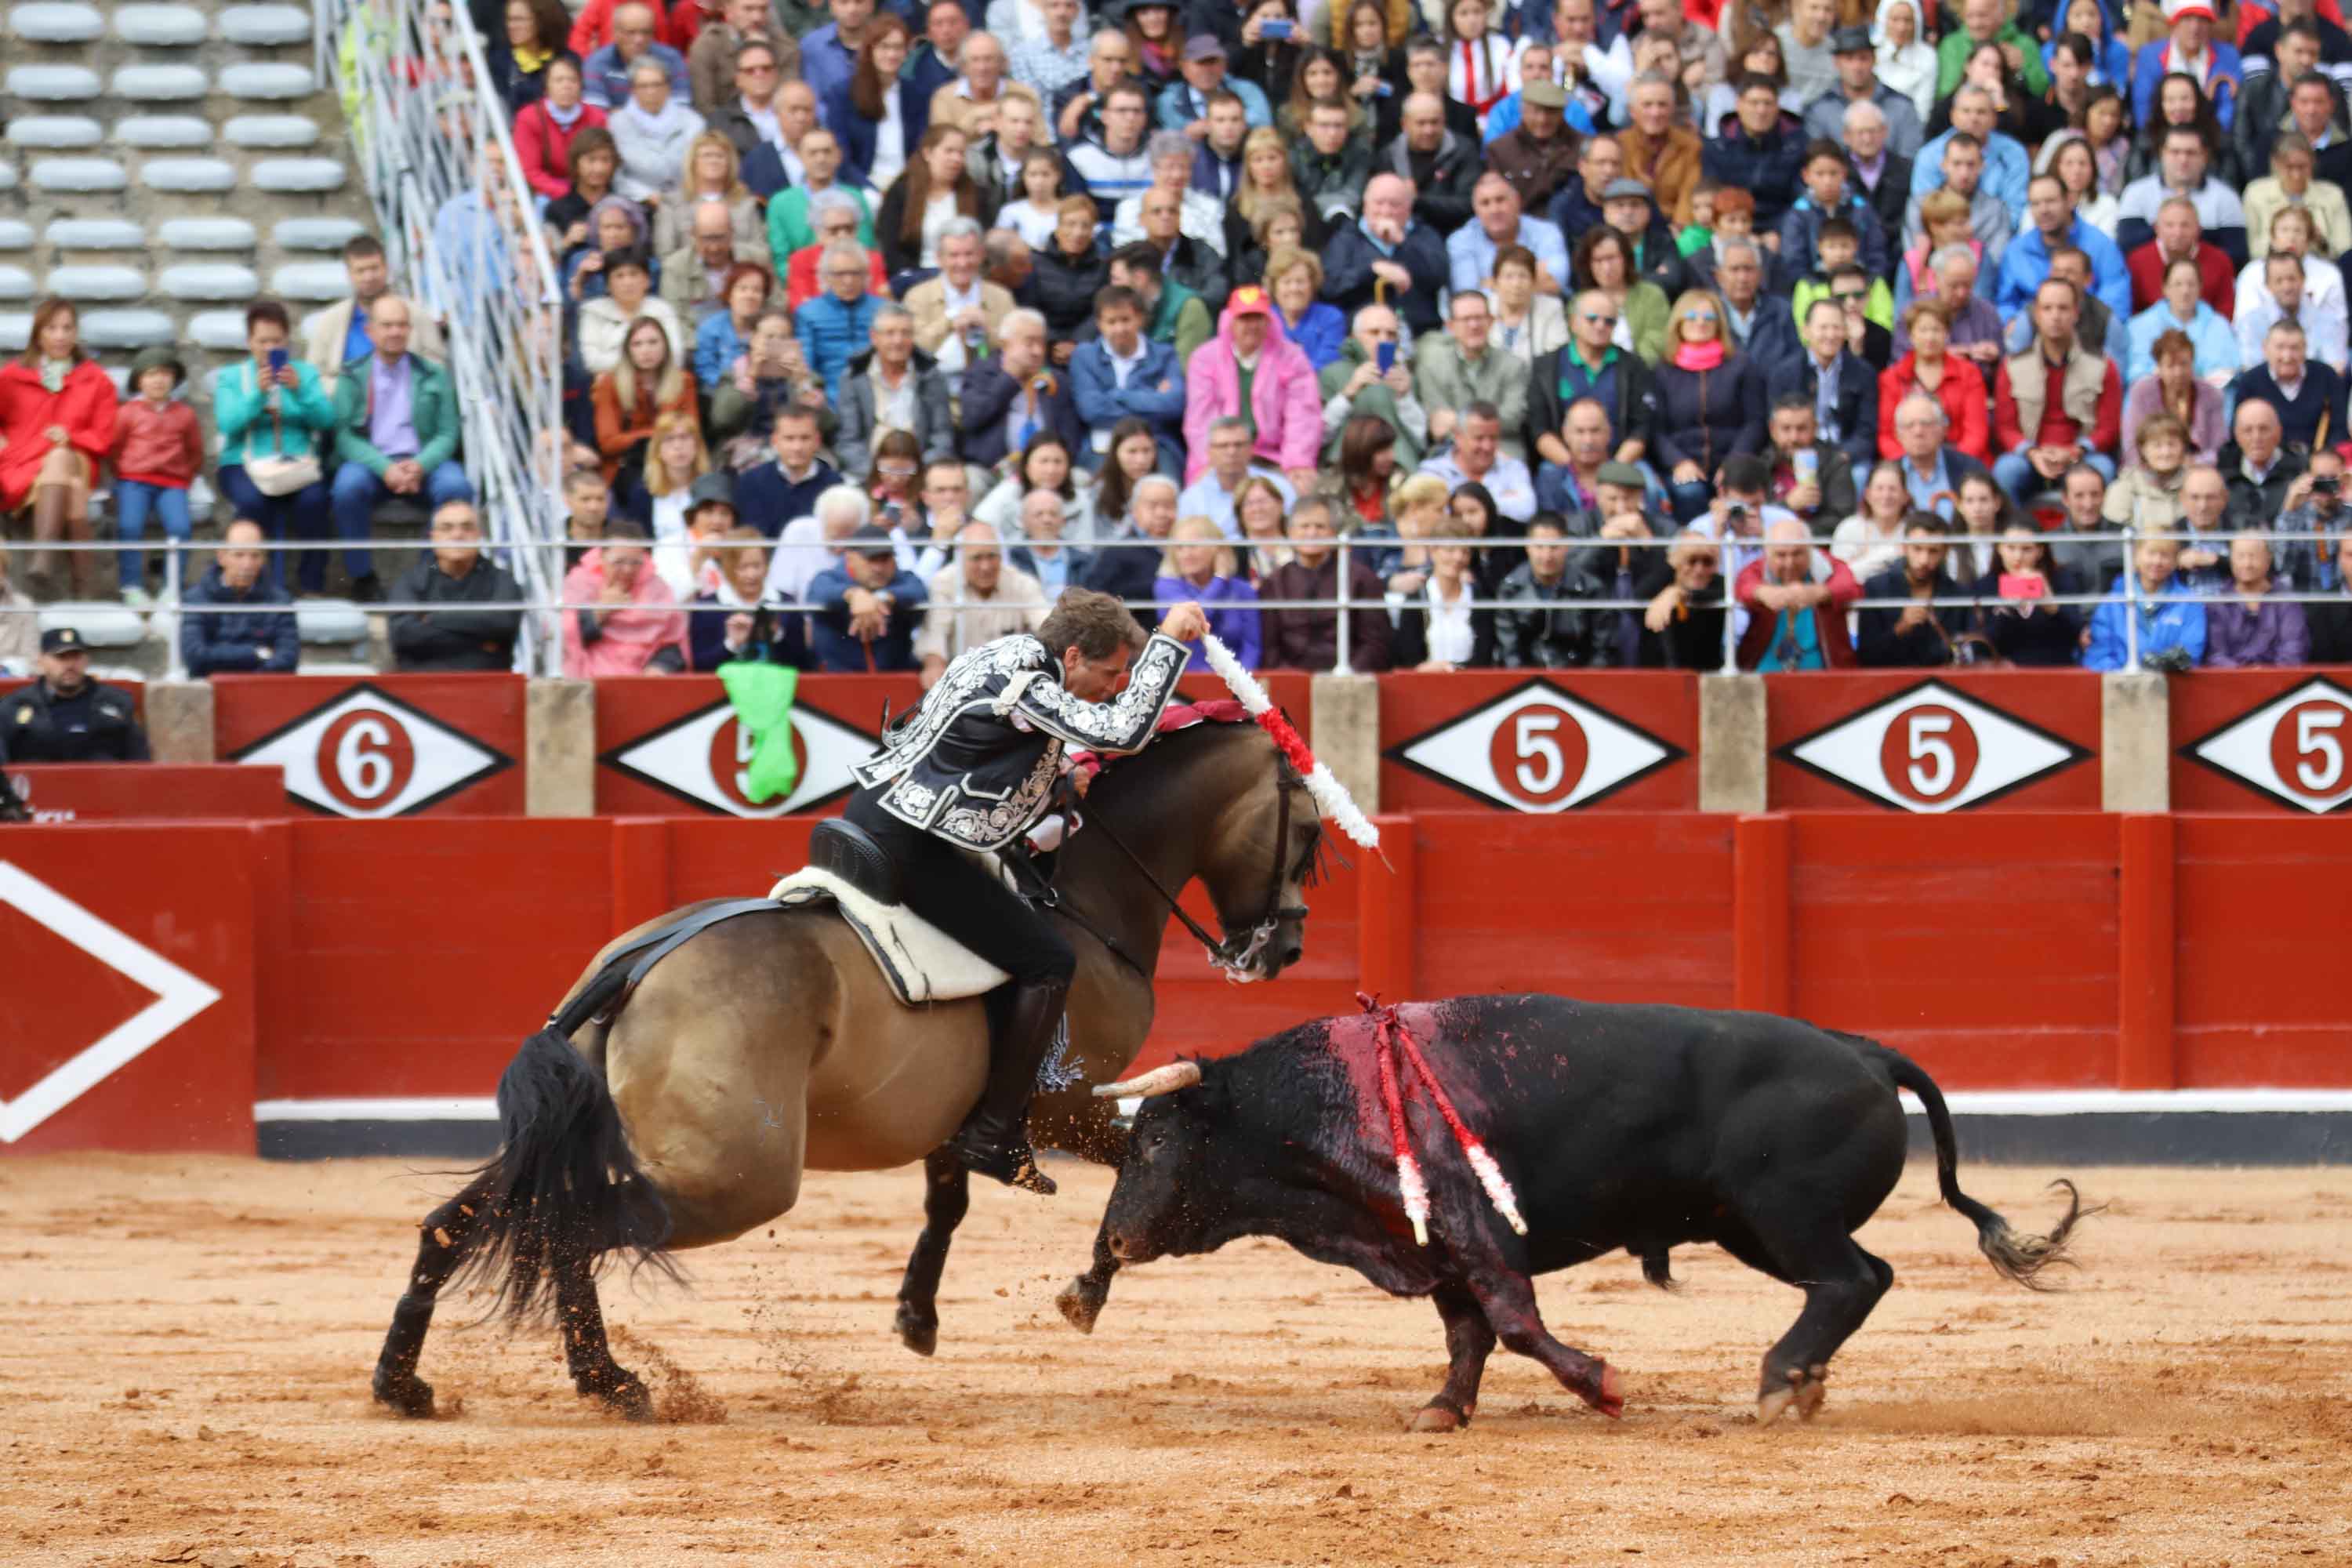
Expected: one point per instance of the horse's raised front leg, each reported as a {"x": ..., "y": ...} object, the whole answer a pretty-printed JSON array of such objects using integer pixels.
[
  {"x": 440, "y": 1249},
  {"x": 947, "y": 1195}
]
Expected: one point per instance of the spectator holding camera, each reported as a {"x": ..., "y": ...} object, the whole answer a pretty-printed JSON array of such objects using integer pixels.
[
  {"x": 2171, "y": 615},
  {"x": 2018, "y": 622},
  {"x": 2314, "y": 504}
]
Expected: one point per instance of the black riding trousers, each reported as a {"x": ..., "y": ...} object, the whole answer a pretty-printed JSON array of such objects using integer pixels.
[{"x": 945, "y": 886}]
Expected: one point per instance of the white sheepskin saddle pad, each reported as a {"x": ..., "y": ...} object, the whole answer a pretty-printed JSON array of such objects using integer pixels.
[{"x": 922, "y": 962}]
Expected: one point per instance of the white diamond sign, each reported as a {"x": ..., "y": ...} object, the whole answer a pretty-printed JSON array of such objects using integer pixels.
[
  {"x": 1536, "y": 748},
  {"x": 179, "y": 997},
  {"x": 701, "y": 758},
  {"x": 369, "y": 754},
  {"x": 1932, "y": 749},
  {"x": 2296, "y": 748}
]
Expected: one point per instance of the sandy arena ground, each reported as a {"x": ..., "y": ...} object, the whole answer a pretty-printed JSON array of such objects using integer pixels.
[{"x": 185, "y": 1348}]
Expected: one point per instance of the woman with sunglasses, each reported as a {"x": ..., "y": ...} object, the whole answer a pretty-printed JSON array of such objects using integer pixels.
[{"x": 1711, "y": 401}]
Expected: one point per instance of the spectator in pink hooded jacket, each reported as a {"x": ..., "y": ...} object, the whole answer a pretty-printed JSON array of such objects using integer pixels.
[
  {"x": 1250, "y": 369},
  {"x": 631, "y": 624}
]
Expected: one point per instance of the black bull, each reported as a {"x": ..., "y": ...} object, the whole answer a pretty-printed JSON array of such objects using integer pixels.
[{"x": 1635, "y": 1126}]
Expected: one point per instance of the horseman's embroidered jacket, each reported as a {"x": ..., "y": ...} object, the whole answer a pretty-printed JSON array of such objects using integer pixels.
[{"x": 975, "y": 764}]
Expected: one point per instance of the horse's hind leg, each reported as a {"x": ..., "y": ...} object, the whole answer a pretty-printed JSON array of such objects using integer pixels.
[
  {"x": 440, "y": 1250},
  {"x": 587, "y": 1352},
  {"x": 947, "y": 1195}
]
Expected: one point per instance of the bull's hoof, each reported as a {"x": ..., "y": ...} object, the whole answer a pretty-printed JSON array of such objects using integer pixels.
[
  {"x": 917, "y": 1331},
  {"x": 1439, "y": 1417},
  {"x": 625, "y": 1396},
  {"x": 404, "y": 1393},
  {"x": 1775, "y": 1402},
  {"x": 1080, "y": 1304},
  {"x": 1607, "y": 1394}
]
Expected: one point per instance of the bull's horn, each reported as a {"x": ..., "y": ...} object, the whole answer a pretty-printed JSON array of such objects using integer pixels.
[{"x": 1159, "y": 1080}]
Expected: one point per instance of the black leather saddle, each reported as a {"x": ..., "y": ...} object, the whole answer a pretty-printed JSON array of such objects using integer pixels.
[{"x": 848, "y": 852}]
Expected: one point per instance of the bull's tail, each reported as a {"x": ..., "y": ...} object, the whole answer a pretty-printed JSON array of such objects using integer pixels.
[
  {"x": 563, "y": 1190},
  {"x": 2016, "y": 1254}
]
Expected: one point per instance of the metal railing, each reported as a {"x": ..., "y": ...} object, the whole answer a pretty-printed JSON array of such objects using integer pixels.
[
  {"x": 434, "y": 150},
  {"x": 541, "y": 643}
]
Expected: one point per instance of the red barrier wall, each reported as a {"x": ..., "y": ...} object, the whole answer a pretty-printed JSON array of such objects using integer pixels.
[
  {"x": 402, "y": 745},
  {"x": 1933, "y": 741},
  {"x": 1543, "y": 741},
  {"x": 408, "y": 958},
  {"x": 108, "y": 792},
  {"x": 130, "y": 1016}
]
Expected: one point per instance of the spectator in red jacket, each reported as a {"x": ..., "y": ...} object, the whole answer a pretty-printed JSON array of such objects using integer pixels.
[
  {"x": 1796, "y": 598},
  {"x": 1952, "y": 380},
  {"x": 2058, "y": 404},
  {"x": 544, "y": 130},
  {"x": 2178, "y": 237},
  {"x": 591, "y": 29},
  {"x": 57, "y": 421}
]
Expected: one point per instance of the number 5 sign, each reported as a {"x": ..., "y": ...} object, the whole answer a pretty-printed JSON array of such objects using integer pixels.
[
  {"x": 2295, "y": 747},
  {"x": 1932, "y": 748},
  {"x": 1537, "y": 748}
]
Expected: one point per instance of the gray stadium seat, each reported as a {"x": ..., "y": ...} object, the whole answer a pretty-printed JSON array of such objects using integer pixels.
[
  {"x": 164, "y": 133},
  {"x": 8, "y": 176},
  {"x": 98, "y": 282},
  {"x": 298, "y": 175},
  {"x": 188, "y": 175},
  {"x": 320, "y": 282},
  {"x": 331, "y": 620},
  {"x": 16, "y": 331},
  {"x": 95, "y": 234},
  {"x": 100, "y": 625},
  {"x": 204, "y": 234},
  {"x": 263, "y": 25},
  {"x": 160, "y": 26},
  {"x": 53, "y": 84},
  {"x": 52, "y": 130},
  {"x": 15, "y": 283},
  {"x": 315, "y": 233},
  {"x": 263, "y": 80},
  {"x": 126, "y": 328},
  {"x": 209, "y": 280},
  {"x": 79, "y": 174},
  {"x": 220, "y": 331},
  {"x": 279, "y": 130},
  {"x": 56, "y": 23},
  {"x": 15, "y": 235},
  {"x": 160, "y": 84}
]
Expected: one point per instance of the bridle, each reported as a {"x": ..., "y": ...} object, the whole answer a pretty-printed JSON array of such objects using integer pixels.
[{"x": 1233, "y": 954}]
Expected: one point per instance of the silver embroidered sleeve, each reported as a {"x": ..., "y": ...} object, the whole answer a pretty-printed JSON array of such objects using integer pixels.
[{"x": 1122, "y": 725}]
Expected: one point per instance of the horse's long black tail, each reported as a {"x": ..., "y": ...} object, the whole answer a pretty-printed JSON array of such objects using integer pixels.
[
  {"x": 563, "y": 1187},
  {"x": 2017, "y": 1255}
]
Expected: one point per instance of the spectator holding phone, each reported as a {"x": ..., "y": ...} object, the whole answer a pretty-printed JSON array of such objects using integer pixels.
[
  {"x": 271, "y": 410},
  {"x": 2019, "y": 621},
  {"x": 2250, "y": 626}
]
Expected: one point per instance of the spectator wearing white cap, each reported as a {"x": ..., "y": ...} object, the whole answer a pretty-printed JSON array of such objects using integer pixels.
[{"x": 2192, "y": 50}]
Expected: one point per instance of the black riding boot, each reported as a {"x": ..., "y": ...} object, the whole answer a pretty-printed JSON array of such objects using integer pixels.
[{"x": 994, "y": 1139}]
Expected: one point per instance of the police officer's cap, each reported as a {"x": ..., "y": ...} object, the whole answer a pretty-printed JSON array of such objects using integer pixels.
[{"x": 63, "y": 639}]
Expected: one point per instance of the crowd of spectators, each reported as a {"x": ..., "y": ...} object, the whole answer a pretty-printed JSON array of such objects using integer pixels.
[{"x": 886, "y": 319}]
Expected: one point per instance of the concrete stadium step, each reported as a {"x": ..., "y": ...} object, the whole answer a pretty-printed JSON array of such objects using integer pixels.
[{"x": 56, "y": 23}]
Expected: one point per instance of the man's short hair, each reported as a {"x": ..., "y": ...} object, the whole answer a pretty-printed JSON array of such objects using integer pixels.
[
  {"x": 961, "y": 227},
  {"x": 1836, "y": 229},
  {"x": 2308, "y": 29},
  {"x": 1927, "y": 522},
  {"x": 797, "y": 413},
  {"x": 1861, "y": 114},
  {"x": 1748, "y": 475},
  {"x": 1751, "y": 81},
  {"x": 1822, "y": 147},
  {"x": 2059, "y": 252},
  {"x": 621, "y": 531},
  {"x": 628, "y": 256},
  {"x": 1138, "y": 255},
  {"x": 2174, "y": 133},
  {"x": 1738, "y": 242},
  {"x": 1228, "y": 422},
  {"x": 1848, "y": 270},
  {"x": 1168, "y": 144},
  {"x": 268, "y": 311},
  {"x": 1793, "y": 403},
  {"x": 1119, "y": 297},
  {"x": 843, "y": 499},
  {"x": 360, "y": 246},
  {"x": 1481, "y": 409},
  {"x": 1097, "y": 625},
  {"x": 582, "y": 477},
  {"x": 1963, "y": 139},
  {"x": 1155, "y": 481},
  {"x": 1127, "y": 89},
  {"x": 2283, "y": 329}
]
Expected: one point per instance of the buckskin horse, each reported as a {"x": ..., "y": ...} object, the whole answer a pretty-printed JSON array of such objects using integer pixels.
[{"x": 680, "y": 1113}]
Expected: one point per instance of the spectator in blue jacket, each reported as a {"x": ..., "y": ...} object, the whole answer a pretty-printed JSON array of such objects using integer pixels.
[
  {"x": 2006, "y": 165},
  {"x": 263, "y": 637},
  {"x": 836, "y": 325},
  {"x": 1121, "y": 374},
  {"x": 866, "y": 610},
  {"x": 1829, "y": 193},
  {"x": 1763, "y": 154},
  {"x": 2025, "y": 263},
  {"x": 2171, "y": 614}
]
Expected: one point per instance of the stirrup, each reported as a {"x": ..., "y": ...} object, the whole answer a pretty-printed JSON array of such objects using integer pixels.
[{"x": 1015, "y": 1165}]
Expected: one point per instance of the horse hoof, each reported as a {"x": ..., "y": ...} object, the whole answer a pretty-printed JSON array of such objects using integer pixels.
[
  {"x": 404, "y": 1393},
  {"x": 1079, "y": 1306},
  {"x": 1774, "y": 1403},
  {"x": 916, "y": 1335},
  {"x": 1436, "y": 1417}
]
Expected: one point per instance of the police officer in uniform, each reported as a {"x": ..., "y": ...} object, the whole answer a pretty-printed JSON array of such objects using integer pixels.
[
  {"x": 974, "y": 768},
  {"x": 65, "y": 716}
]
